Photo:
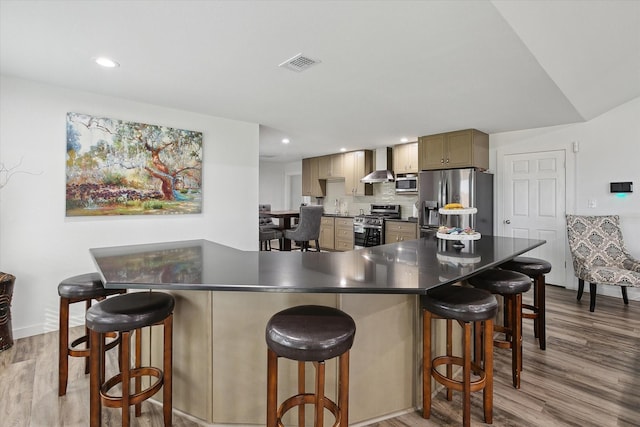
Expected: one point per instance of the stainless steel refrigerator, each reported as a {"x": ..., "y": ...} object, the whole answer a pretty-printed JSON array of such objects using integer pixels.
[{"x": 468, "y": 186}]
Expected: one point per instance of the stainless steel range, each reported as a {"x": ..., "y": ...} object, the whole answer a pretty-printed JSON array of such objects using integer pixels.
[{"x": 368, "y": 229}]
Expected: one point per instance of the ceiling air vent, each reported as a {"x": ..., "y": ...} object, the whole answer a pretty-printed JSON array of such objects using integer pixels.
[{"x": 299, "y": 63}]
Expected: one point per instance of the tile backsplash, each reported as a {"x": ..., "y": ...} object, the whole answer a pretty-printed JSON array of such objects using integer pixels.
[{"x": 383, "y": 193}]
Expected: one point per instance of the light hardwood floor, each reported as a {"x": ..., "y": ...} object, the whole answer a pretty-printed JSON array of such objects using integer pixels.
[{"x": 588, "y": 376}]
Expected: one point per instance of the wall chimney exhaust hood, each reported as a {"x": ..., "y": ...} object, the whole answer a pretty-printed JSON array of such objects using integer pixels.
[{"x": 383, "y": 171}]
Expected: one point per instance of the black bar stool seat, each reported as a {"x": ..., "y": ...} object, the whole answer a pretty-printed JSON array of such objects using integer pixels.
[
  {"x": 536, "y": 269},
  {"x": 309, "y": 333},
  {"x": 470, "y": 307},
  {"x": 129, "y": 312},
  {"x": 124, "y": 314},
  {"x": 527, "y": 265},
  {"x": 84, "y": 287},
  {"x": 511, "y": 285}
]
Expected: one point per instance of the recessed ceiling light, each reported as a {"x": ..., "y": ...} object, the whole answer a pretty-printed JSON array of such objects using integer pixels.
[
  {"x": 285, "y": 141},
  {"x": 404, "y": 139},
  {"x": 343, "y": 150},
  {"x": 106, "y": 62}
]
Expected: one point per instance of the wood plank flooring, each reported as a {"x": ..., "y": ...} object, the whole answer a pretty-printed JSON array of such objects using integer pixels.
[{"x": 588, "y": 376}]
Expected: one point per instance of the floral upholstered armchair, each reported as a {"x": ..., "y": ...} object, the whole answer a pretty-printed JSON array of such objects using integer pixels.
[{"x": 599, "y": 255}]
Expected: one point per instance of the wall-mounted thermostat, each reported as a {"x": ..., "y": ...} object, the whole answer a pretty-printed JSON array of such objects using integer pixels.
[{"x": 621, "y": 187}]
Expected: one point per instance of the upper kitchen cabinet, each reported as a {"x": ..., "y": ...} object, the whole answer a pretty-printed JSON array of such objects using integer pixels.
[
  {"x": 357, "y": 164},
  {"x": 331, "y": 166},
  {"x": 464, "y": 148},
  {"x": 405, "y": 158},
  {"x": 311, "y": 184}
]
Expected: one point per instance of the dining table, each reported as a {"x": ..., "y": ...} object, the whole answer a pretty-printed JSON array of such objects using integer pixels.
[
  {"x": 225, "y": 297},
  {"x": 284, "y": 223}
]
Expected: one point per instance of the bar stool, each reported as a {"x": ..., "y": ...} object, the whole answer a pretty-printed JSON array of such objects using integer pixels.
[
  {"x": 309, "y": 333},
  {"x": 124, "y": 314},
  {"x": 511, "y": 285},
  {"x": 85, "y": 287},
  {"x": 536, "y": 269},
  {"x": 469, "y": 307}
]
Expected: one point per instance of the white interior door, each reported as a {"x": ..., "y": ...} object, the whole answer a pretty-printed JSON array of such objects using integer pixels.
[{"x": 534, "y": 205}]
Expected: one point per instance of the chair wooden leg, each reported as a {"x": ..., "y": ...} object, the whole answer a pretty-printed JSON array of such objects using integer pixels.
[
  {"x": 580, "y": 289},
  {"x": 343, "y": 390},
  {"x": 487, "y": 393},
  {"x": 536, "y": 325},
  {"x": 625, "y": 298},
  {"x": 593, "y": 291},
  {"x": 516, "y": 339},
  {"x": 317, "y": 245},
  {"x": 86, "y": 333},
  {"x": 301, "y": 389},
  {"x": 466, "y": 376},
  {"x": 167, "y": 387},
  {"x": 426, "y": 364},
  {"x": 95, "y": 359},
  {"x": 126, "y": 379},
  {"x": 63, "y": 347},
  {"x": 449, "y": 354},
  {"x": 319, "y": 405},
  {"x": 509, "y": 312},
  {"x": 138, "y": 363},
  {"x": 541, "y": 320},
  {"x": 272, "y": 387},
  {"x": 477, "y": 343}
]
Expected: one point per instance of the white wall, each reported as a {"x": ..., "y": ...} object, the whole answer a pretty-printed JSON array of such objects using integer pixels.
[
  {"x": 40, "y": 246},
  {"x": 271, "y": 185},
  {"x": 609, "y": 149}
]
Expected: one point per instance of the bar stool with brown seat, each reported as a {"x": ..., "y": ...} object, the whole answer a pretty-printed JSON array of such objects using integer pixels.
[
  {"x": 536, "y": 269},
  {"x": 309, "y": 333},
  {"x": 84, "y": 287},
  {"x": 469, "y": 307},
  {"x": 124, "y": 314},
  {"x": 510, "y": 285}
]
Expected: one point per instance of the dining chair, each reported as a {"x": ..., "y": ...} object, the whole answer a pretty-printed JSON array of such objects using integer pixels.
[
  {"x": 308, "y": 228},
  {"x": 599, "y": 255},
  {"x": 265, "y": 221}
]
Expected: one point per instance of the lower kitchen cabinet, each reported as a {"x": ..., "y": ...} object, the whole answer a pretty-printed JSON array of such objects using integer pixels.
[
  {"x": 327, "y": 233},
  {"x": 399, "y": 231},
  {"x": 344, "y": 234}
]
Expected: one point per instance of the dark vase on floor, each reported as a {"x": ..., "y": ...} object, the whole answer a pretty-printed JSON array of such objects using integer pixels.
[{"x": 6, "y": 292}]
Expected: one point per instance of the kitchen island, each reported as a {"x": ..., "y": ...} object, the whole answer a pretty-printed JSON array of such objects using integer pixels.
[{"x": 219, "y": 348}]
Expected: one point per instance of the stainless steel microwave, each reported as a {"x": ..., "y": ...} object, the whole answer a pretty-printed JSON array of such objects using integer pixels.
[{"x": 407, "y": 184}]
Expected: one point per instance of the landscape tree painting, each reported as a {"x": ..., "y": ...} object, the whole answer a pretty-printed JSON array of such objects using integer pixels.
[{"x": 126, "y": 168}]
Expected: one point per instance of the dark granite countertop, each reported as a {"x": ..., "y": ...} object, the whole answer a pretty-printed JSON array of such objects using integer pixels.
[{"x": 410, "y": 267}]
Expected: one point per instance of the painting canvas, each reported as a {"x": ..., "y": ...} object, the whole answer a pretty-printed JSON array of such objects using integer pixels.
[{"x": 116, "y": 167}]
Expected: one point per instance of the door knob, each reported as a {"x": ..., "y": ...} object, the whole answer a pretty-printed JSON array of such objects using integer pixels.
[{"x": 508, "y": 221}]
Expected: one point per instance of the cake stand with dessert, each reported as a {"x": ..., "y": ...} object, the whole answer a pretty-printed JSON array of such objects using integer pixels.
[{"x": 456, "y": 227}]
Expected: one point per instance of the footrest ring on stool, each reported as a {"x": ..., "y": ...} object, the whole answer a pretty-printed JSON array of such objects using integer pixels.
[
  {"x": 111, "y": 401},
  {"x": 307, "y": 399},
  {"x": 84, "y": 352},
  {"x": 454, "y": 384}
]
